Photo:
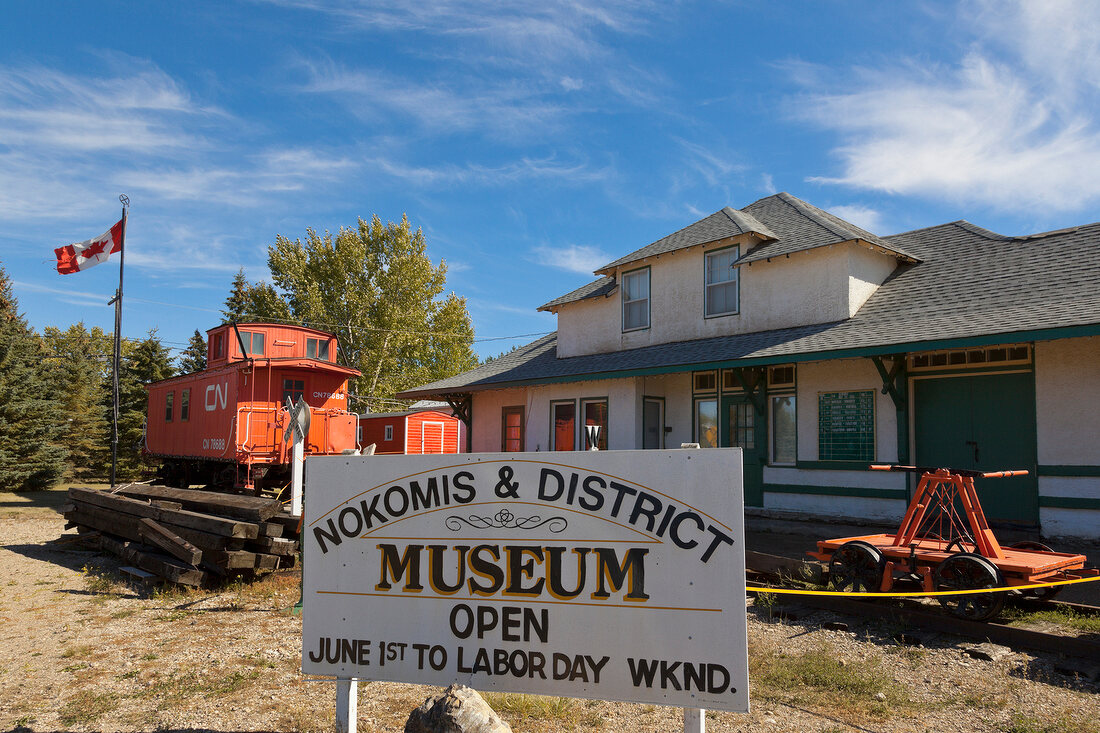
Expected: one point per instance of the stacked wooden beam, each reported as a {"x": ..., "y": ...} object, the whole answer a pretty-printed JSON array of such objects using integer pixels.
[{"x": 186, "y": 536}]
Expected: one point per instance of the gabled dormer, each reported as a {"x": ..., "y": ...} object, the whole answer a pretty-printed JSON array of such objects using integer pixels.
[
  {"x": 777, "y": 263},
  {"x": 267, "y": 341}
]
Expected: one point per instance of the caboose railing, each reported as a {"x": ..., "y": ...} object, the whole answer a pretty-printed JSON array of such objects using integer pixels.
[{"x": 261, "y": 428}]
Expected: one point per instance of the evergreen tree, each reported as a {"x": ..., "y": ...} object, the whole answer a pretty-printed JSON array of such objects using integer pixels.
[
  {"x": 146, "y": 361},
  {"x": 78, "y": 363},
  {"x": 32, "y": 455},
  {"x": 236, "y": 305},
  {"x": 193, "y": 358}
]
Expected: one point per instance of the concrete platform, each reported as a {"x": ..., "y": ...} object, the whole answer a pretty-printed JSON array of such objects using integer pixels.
[{"x": 795, "y": 537}]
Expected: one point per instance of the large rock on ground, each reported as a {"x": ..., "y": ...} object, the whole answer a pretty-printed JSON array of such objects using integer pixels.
[{"x": 458, "y": 709}]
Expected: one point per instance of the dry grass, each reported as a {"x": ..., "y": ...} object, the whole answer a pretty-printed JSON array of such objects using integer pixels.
[
  {"x": 1057, "y": 616},
  {"x": 542, "y": 713},
  {"x": 820, "y": 681},
  {"x": 86, "y": 707}
]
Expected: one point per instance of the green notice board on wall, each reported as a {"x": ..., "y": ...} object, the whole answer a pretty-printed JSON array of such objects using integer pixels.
[{"x": 846, "y": 426}]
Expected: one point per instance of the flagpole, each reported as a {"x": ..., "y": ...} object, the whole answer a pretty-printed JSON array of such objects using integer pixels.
[{"x": 117, "y": 300}]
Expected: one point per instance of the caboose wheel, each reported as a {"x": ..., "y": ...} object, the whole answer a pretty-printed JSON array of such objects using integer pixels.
[
  {"x": 968, "y": 571},
  {"x": 1037, "y": 594},
  {"x": 856, "y": 567}
]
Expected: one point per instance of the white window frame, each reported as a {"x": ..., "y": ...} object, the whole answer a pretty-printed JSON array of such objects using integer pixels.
[
  {"x": 649, "y": 293},
  {"x": 708, "y": 286},
  {"x": 771, "y": 430},
  {"x": 696, "y": 426},
  {"x": 554, "y": 404},
  {"x": 387, "y": 433}
]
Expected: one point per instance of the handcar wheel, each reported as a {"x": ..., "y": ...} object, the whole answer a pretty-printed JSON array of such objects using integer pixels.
[
  {"x": 856, "y": 567},
  {"x": 1037, "y": 594},
  {"x": 968, "y": 571}
]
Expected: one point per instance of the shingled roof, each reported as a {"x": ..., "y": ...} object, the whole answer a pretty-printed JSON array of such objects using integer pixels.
[
  {"x": 971, "y": 287},
  {"x": 800, "y": 226},
  {"x": 785, "y": 223},
  {"x": 604, "y": 286},
  {"x": 723, "y": 223}
]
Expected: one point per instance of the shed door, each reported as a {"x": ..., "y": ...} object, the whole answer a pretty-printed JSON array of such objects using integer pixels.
[
  {"x": 431, "y": 437},
  {"x": 984, "y": 423}
]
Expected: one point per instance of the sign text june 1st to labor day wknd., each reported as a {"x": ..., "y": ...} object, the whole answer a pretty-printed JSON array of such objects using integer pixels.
[{"x": 614, "y": 575}]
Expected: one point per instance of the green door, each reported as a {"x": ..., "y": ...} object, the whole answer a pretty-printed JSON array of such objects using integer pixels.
[
  {"x": 983, "y": 423},
  {"x": 743, "y": 427}
]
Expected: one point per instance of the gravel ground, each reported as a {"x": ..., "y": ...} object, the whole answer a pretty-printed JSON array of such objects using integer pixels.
[{"x": 81, "y": 650}]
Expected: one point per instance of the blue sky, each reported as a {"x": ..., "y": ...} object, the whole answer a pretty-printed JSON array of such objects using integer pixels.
[{"x": 531, "y": 142}]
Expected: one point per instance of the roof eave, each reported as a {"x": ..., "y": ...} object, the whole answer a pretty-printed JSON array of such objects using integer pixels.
[
  {"x": 1043, "y": 334},
  {"x": 760, "y": 238}
]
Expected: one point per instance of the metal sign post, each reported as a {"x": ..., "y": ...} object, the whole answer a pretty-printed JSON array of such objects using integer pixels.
[{"x": 347, "y": 705}]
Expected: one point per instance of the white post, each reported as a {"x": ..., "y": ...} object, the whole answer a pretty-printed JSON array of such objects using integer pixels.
[
  {"x": 695, "y": 720},
  {"x": 296, "y": 465},
  {"x": 347, "y": 704}
]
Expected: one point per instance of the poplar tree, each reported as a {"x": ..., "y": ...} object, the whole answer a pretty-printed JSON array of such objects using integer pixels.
[
  {"x": 78, "y": 364},
  {"x": 376, "y": 288},
  {"x": 32, "y": 454}
]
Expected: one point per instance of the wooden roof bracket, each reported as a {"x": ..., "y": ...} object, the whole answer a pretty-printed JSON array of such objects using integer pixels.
[
  {"x": 751, "y": 380},
  {"x": 462, "y": 404},
  {"x": 894, "y": 379}
]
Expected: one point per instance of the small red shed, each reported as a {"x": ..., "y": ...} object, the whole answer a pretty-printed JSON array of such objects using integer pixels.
[{"x": 428, "y": 428}]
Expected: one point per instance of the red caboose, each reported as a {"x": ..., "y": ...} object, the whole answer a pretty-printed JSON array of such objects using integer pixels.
[
  {"x": 431, "y": 428},
  {"x": 223, "y": 426}
]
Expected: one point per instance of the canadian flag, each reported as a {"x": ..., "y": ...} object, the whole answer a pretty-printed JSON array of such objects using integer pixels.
[{"x": 82, "y": 255}]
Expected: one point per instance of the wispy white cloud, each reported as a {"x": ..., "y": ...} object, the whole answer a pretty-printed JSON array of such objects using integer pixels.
[
  {"x": 73, "y": 297},
  {"x": 534, "y": 34},
  {"x": 246, "y": 183},
  {"x": 511, "y": 172},
  {"x": 579, "y": 258},
  {"x": 527, "y": 309},
  {"x": 715, "y": 166},
  {"x": 862, "y": 216},
  {"x": 1010, "y": 124},
  {"x": 497, "y": 69},
  {"x": 70, "y": 142},
  {"x": 43, "y": 107}
]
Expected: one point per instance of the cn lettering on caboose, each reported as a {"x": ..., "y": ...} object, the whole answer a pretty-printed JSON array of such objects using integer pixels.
[{"x": 233, "y": 437}]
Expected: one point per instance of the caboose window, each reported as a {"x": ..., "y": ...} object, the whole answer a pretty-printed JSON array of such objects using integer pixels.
[
  {"x": 317, "y": 349},
  {"x": 253, "y": 342},
  {"x": 168, "y": 406},
  {"x": 294, "y": 389}
]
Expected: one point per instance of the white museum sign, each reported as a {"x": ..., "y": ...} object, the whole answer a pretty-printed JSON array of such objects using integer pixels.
[{"x": 614, "y": 575}]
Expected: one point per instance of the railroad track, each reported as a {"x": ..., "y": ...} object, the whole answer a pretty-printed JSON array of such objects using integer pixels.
[{"x": 912, "y": 615}]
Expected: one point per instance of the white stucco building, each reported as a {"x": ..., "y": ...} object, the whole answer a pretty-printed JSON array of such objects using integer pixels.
[{"x": 820, "y": 348}]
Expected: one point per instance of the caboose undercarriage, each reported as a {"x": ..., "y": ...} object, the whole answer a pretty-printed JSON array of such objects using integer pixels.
[{"x": 222, "y": 475}]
